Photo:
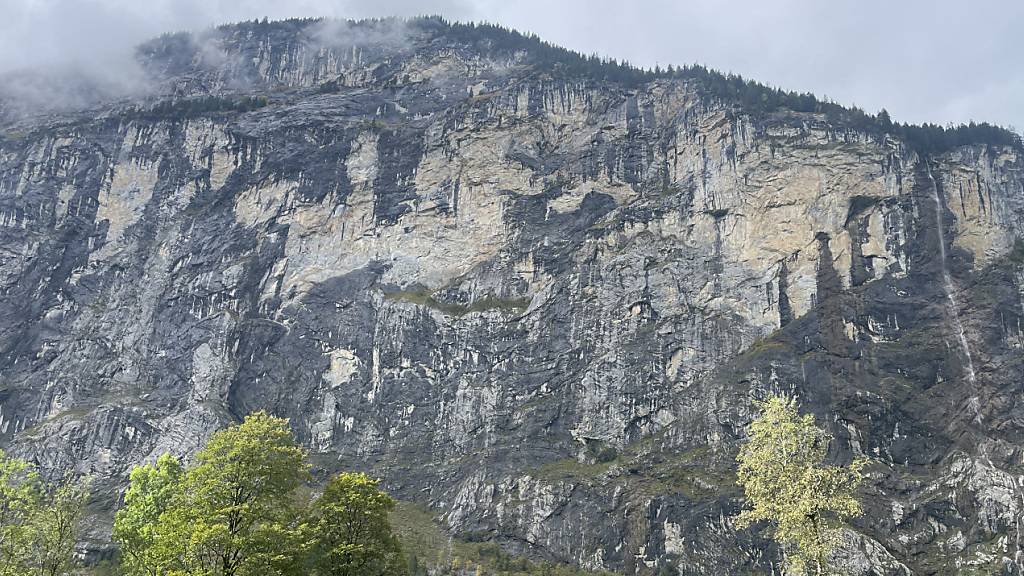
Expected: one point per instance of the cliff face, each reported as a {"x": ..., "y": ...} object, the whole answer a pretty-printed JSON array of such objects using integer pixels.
[{"x": 540, "y": 304}]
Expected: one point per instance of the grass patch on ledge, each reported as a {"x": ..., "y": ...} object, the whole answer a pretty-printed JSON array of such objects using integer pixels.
[
  {"x": 432, "y": 550},
  {"x": 698, "y": 474},
  {"x": 571, "y": 469},
  {"x": 76, "y": 413},
  {"x": 485, "y": 304}
]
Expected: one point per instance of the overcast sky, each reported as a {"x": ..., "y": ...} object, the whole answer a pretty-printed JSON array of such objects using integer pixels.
[{"x": 924, "y": 60}]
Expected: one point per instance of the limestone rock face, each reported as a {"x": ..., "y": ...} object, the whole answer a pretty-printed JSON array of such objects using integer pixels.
[{"x": 540, "y": 304}]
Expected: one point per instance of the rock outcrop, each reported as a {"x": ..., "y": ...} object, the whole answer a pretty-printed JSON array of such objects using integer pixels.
[{"x": 538, "y": 302}]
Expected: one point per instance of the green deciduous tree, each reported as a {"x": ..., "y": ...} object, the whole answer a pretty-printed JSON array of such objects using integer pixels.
[
  {"x": 233, "y": 513},
  {"x": 20, "y": 498},
  {"x": 151, "y": 492},
  {"x": 786, "y": 484},
  {"x": 38, "y": 522},
  {"x": 56, "y": 528},
  {"x": 238, "y": 501},
  {"x": 242, "y": 509},
  {"x": 351, "y": 534}
]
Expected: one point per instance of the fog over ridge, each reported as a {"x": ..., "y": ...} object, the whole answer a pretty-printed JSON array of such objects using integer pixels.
[{"x": 941, "y": 62}]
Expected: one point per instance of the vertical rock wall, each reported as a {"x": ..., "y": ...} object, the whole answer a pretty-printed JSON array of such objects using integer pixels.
[{"x": 540, "y": 306}]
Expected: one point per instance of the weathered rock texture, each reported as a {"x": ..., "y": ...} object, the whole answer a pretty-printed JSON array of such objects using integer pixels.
[{"x": 540, "y": 304}]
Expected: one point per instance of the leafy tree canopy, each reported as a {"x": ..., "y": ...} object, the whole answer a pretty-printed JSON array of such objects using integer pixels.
[
  {"x": 352, "y": 533},
  {"x": 786, "y": 484},
  {"x": 39, "y": 522},
  {"x": 242, "y": 509}
]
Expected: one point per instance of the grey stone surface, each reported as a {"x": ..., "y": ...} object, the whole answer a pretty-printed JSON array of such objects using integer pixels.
[{"x": 541, "y": 305}]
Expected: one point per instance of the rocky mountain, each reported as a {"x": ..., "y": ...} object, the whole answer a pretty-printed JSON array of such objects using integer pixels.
[{"x": 537, "y": 294}]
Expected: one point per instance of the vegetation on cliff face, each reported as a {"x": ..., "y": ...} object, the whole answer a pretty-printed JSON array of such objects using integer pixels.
[
  {"x": 199, "y": 106},
  {"x": 786, "y": 485},
  {"x": 433, "y": 552},
  {"x": 749, "y": 96},
  {"x": 495, "y": 41}
]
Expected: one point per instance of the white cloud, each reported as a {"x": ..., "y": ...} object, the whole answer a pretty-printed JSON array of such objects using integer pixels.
[{"x": 939, "y": 61}]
